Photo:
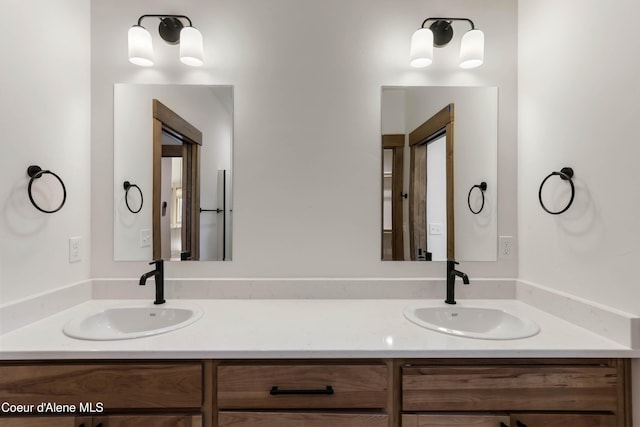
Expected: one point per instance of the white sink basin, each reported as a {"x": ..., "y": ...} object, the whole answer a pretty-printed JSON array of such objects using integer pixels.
[
  {"x": 120, "y": 323},
  {"x": 473, "y": 322}
]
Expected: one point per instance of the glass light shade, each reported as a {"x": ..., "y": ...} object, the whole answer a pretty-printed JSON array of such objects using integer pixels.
[
  {"x": 191, "y": 48},
  {"x": 421, "y": 48},
  {"x": 140, "y": 46},
  {"x": 472, "y": 49}
]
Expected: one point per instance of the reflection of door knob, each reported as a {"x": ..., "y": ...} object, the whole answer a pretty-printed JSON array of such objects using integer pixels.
[
  {"x": 404, "y": 195},
  {"x": 164, "y": 208}
]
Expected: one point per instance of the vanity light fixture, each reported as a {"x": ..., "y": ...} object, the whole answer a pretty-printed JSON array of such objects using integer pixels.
[
  {"x": 173, "y": 31},
  {"x": 439, "y": 34}
]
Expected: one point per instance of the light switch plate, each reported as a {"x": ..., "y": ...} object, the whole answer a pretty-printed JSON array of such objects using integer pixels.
[{"x": 145, "y": 238}]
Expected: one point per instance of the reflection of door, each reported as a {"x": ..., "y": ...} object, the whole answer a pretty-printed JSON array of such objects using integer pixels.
[
  {"x": 188, "y": 149},
  {"x": 436, "y": 127},
  {"x": 392, "y": 189}
]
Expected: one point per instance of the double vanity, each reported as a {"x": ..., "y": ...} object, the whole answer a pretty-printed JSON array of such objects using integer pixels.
[{"x": 312, "y": 362}]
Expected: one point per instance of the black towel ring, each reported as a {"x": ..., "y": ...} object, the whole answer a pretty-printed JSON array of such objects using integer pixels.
[
  {"x": 483, "y": 187},
  {"x": 127, "y": 186},
  {"x": 565, "y": 174},
  {"x": 36, "y": 172}
]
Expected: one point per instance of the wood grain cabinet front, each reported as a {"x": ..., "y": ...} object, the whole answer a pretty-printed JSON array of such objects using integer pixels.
[
  {"x": 113, "y": 386},
  {"x": 297, "y": 419},
  {"x": 303, "y": 394},
  {"x": 516, "y": 393},
  {"x": 302, "y": 386},
  {"x": 515, "y": 420}
]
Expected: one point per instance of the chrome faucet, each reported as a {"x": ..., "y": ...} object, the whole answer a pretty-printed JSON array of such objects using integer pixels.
[
  {"x": 158, "y": 274},
  {"x": 452, "y": 273}
]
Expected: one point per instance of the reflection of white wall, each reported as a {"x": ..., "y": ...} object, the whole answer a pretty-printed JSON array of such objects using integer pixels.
[
  {"x": 437, "y": 197},
  {"x": 475, "y": 157},
  {"x": 208, "y": 109}
]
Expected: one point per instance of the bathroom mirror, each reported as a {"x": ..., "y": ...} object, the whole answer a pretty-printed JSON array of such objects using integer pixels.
[
  {"x": 439, "y": 173},
  {"x": 172, "y": 172}
]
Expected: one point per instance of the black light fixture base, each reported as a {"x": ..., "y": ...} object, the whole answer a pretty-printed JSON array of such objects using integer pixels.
[
  {"x": 169, "y": 29},
  {"x": 442, "y": 33}
]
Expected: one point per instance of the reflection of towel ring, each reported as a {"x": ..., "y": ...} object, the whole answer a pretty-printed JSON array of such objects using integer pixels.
[
  {"x": 483, "y": 187},
  {"x": 565, "y": 174},
  {"x": 127, "y": 186},
  {"x": 36, "y": 172}
]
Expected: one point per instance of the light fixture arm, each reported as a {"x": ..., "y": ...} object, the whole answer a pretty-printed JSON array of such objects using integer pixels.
[
  {"x": 164, "y": 16},
  {"x": 449, "y": 19}
]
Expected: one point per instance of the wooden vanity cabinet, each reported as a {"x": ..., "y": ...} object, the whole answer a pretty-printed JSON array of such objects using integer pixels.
[
  {"x": 302, "y": 393},
  {"x": 516, "y": 393}
]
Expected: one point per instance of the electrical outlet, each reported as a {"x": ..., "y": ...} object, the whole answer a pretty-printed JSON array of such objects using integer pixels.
[
  {"x": 75, "y": 249},
  {"x": 145, "y": 238},
  {"x": 506, "y": 246},
  {"x": 435, "y": 228}
]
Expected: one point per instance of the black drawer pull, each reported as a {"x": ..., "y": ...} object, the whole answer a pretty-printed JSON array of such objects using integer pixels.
[
  {"x": 503, "y": 424},
  {"x": 520, "y": 424},
  {"x": 276, "y": 392}
]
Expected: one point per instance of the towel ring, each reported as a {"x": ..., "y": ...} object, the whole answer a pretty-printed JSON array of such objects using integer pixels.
[
  {"x": 565, "y": 174},
  {"x": 36, "y": 172},
  {"x": 483, "y": 187},
  {"x": 127, "y": 186}
]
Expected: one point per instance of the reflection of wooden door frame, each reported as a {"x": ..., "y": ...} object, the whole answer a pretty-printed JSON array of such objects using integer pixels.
[
  {"x": 165, "y": 118},
  {"x": 395, "y": 143},
  {"x": 440, "y": 123}
]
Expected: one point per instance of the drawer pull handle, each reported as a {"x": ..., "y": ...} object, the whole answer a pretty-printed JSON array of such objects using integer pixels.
[
  {"x": 520, "y": 424},
  {"x": 503, "y": 425},
  {"x": 275, "y": 391}
]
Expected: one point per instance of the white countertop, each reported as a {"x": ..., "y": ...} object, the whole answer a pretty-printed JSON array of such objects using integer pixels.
[{"x": 305, "y": 328}]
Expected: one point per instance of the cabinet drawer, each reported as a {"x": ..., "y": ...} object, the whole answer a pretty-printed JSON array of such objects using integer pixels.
[
  {"x": 454, "y": 420},
  {"x": 38, "y": 422},
  {"x": 302, "y": 386},
  {"x": 117, "y": 386},
  {"x": 485, "y": 388},
  {"x": 564, "y": 420},
  {"x": 149, "y": 420},
  {"x": 306, "y": 419}
]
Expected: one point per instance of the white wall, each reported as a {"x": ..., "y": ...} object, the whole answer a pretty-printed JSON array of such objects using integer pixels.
[
  {"x": 44, "y": 117},
  {"x": 307, "y": 78},
  {"x": 578, "y": 107}
]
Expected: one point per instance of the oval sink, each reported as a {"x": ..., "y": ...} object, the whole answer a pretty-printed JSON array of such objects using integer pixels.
[
  {"x": 473, "y": 322},
  {"x": 120, "y": 323}
]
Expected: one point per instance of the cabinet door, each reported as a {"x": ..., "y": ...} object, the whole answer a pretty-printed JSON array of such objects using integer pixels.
[
  {"x": 454, "y": 420},
  {"x": 293, "y": 419},
  {"x": 39, "y": 422},
  {"x": 563, "y": 420}
]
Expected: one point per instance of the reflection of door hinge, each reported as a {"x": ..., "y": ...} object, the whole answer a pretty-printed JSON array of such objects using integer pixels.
[{"x": 164, "y": 208}]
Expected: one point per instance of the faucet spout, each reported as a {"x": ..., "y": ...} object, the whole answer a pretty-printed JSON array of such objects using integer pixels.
[
  {"x": 452, "y": 273},
  {"x": 158, "y": 275}
]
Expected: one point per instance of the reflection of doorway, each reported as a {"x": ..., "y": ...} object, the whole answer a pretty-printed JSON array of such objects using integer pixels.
[
  {"x": 421, "y": 230},
  {"x": 392, "y": 191},
  {"x": 183, "y": 142}
]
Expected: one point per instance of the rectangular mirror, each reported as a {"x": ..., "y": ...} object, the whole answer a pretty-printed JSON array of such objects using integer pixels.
[
  {"x": 439, "y": 173},
  {"x": 172, "y": 172}
]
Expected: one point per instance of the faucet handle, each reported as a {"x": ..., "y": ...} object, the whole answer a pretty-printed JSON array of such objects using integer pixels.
[{"x": 156, "y": 261}]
